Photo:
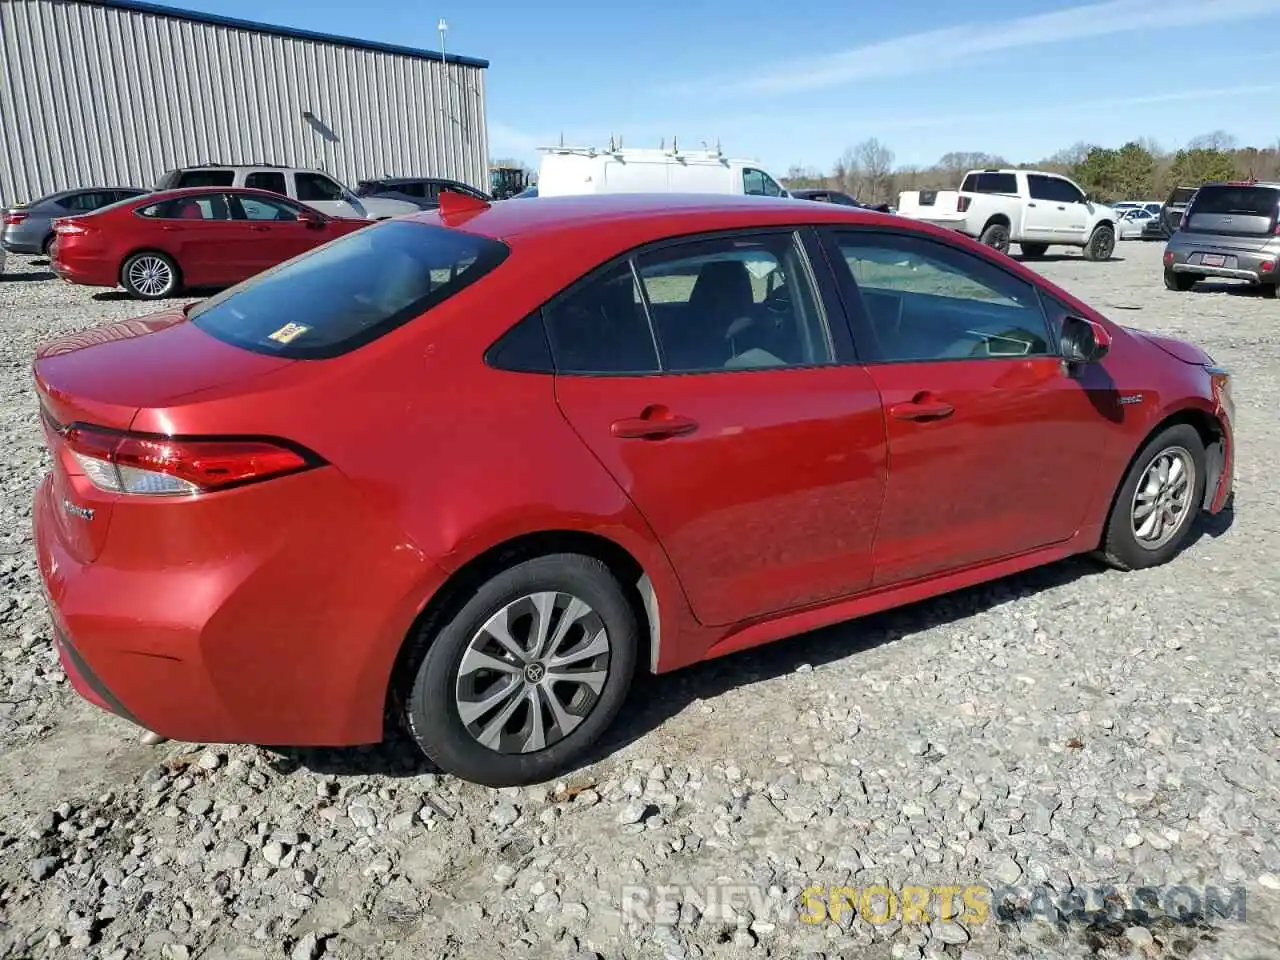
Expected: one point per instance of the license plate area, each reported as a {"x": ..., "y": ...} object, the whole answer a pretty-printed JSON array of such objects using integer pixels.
[{"x": 1215, "y": 259}]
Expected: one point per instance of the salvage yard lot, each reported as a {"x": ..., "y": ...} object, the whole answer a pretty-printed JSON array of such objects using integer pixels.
[{"x": 1071, "y": 726}]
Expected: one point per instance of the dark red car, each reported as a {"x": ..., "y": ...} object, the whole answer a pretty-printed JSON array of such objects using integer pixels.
[
  {"x": 159, "y": 243},
  {"x": 474, "y": 468}
]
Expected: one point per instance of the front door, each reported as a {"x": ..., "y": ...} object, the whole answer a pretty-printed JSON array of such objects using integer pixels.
[
  {"x": 1042, "y": 217},
  {"x": 704, "y": 377},
  {"x": 1068, "y": 211},
  {"x": 271, "y": 230},
  {"x": 993, "y": 445},
  {"x": 326, "y": 195}
]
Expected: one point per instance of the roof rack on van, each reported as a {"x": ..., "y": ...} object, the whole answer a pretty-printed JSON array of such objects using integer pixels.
[
  {"x": 219, "y": 163},
  {"x": 623, "y": 153}
]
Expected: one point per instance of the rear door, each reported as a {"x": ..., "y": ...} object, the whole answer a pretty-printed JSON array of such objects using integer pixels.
[
  {"x": 993, "y": 446},
  {"x": 198, "y": 232},
  {"x": 706, "y": 377}
]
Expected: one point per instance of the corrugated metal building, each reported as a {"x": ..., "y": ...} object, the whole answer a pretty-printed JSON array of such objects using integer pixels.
[{"x": 115, "y": 92}]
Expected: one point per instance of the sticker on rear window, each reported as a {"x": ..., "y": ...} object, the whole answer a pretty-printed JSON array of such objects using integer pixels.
[{"x": 289, "y": 332}]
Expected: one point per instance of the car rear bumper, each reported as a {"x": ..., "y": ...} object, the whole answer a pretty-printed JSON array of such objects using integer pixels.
[
  {"x": 21, "y": 245},
  {"x": 91, "y": 273},
  {"x": 937, "y": 220},
  {"x": 283, "y": 637},
  {"x": 1255, "y": 266}
]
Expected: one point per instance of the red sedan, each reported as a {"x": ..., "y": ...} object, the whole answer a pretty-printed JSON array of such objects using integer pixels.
[
  {"x": 159, "y": 243},
  {"x": 474, "y": 468}
]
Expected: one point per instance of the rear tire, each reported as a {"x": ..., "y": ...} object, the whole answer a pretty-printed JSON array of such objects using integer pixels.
[
  {"x": 466, "y": 665},
  {"x": 1102, "y": 243},
  {"x": 1158, "y": 502},
  {"x": 1268, "y": 290},
  {"x": 46, "y": 248},
  {"x": 996, "y": 235},
  {"x": 1181, "y": 282},
  {"x": 150, "y": 276},
  {"x": 1033, "y": 251}
]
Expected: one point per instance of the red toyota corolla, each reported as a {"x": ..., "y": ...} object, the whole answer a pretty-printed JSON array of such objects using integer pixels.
[
  {"x": 159, "y": 243},
  {"x": 474, "y": 468}
]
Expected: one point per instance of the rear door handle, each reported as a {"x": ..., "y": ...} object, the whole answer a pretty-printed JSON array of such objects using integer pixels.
[
  {"x": 260, "y": 229},
  {"x": 656, "y": 423},
  {"x": 921, "y": 410},
  {"x": 170, "y": 227},
  {"x": 1062, "y": 208},
  {"x": 1030, "y": 204}
]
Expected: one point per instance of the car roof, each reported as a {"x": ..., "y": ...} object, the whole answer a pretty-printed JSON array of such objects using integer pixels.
[
  {"x": 644, "y": 216},
  {"x": 156, "y": 196}
]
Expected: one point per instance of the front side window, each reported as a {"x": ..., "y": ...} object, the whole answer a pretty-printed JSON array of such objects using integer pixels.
[
  {"x": 260, "y": 208},
  {"x": 924, "y": 301},
  {"x": 760, "y": 184},
  {"x": 1060, "y": 191},
  {"x": 349, "y": 291},
  {"x": 734, "y": 303},
  {"x": 315, "y": 186}
]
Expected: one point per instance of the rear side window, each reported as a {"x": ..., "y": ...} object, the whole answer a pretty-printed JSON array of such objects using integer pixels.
[
  {"x": 990, "y": 183},
  {"x": 1227, "y": 208},
  {"x": 349, "y": 291},
  {"x": 267, "y": 180},
  {"x": 206, "y": 178}
]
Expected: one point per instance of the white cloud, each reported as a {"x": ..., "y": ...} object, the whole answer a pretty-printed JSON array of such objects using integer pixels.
[{"x": 935, "y": 49}]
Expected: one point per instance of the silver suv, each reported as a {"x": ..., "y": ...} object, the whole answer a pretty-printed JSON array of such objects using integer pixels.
[
  {"x": 315, "y": 189},
  {"x": 1229, "y": 230}
]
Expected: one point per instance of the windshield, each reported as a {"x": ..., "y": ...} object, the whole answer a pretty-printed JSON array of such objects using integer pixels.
[{"x": 349, "y": 291}]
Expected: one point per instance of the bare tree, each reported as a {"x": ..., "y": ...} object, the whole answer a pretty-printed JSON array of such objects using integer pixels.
[
  {"x": 875, "y": 162},
  {"x": 1217, "y": 140}
]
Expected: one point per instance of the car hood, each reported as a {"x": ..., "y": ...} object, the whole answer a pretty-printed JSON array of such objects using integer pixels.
[{"x": 1179, "y": 349}]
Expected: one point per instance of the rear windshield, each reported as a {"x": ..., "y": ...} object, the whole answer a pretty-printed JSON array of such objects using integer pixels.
[
  {"x": 1226, "y": 208},
  {"x": 990, "y": 183},
  {"x": 349, "y": 291}
]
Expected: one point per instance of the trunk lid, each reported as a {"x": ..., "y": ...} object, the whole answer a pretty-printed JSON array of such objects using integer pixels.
[{"x": 104, "y": 376}]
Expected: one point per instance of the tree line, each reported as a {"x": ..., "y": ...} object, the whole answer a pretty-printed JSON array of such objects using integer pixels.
[{"x": 1137, "y": 170}]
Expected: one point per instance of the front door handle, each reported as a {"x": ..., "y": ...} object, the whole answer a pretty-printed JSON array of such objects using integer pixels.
[
  {"x": 1062, "y": 208},
  {"x": 170, "y": 228},
  {"x": 1030, "y": 204},
  {"x": 260, "y": 229},
  {"x": 655, "y": 423},
  {"x": 921, "y": 408}
]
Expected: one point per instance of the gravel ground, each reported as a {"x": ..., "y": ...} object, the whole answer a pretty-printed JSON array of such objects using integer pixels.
[{"x": 1070, "y": 728}]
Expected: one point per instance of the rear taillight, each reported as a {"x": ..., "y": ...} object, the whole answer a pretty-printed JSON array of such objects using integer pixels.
[
  {"x": 1168, "y": 258},
  {"x": 66, "y": 228},
  {"x": 13, "y": 219},
  {"x": 962, "y": 204},
  {"x": 167, "y": 466}
]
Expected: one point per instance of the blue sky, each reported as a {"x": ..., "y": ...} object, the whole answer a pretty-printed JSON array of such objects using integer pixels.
[{"x": 797, "y": 85}]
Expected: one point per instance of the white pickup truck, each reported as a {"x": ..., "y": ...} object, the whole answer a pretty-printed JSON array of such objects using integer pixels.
[{"x": 1033, "y": 209}]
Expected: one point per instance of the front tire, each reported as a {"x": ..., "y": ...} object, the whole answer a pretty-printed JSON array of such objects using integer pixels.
[
  {"x": 996, "y": 235},
  {"x": 1158, "y": 502},
  {"x": 1181, "y": 282},
  {"x": 518, "y": 684},
  {"x": 1102, "y": 243},
  {"x": 1033, "y": 251},
  {"x": 149, "y": 276}
]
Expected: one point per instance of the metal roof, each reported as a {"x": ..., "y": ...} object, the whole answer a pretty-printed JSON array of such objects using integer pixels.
[{"x": 216, "y": 20}]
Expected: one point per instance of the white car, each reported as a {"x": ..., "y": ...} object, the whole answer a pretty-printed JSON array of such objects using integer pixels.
[
  {"x": 1031, "y": 208},
  {"x": 1132, "y": 222},
  {"x": 574, "y": 171}
]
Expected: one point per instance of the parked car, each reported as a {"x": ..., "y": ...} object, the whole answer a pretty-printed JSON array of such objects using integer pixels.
[
  {"x": 572, "y": 171},
  {"x": 1032, "y": 209},
  {"x": 836, "y": 196},
  {"x": 317, "y": 190},
  {"x": 1175, "y": 207},
  {"x": 1132, "y": 223},
  {"x": 424, "y": 191},
  {"x": 1230, "y": 231},
  {"x": 28, "y": 227},
  {"x": 160, "y": 243},
  {"x": 528, "y": 193},
  {"x": 731, "y": 425}
]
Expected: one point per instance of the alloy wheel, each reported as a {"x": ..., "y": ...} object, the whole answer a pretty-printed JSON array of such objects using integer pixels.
[
  {"x": 1162, "y": 500},
  {"x": 150, "y": 276},
  {"x": 532, "y": 673}
]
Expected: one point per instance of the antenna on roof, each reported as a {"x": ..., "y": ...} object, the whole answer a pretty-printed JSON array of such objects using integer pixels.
[
  {"x": 662, "y": 144},
  {"x": 562, "y": 138},
  {"x": 674, "y": 148},
  {"x": 612, "y": 148}
]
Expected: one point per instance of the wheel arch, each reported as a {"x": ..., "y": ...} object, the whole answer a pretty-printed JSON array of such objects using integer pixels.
[
  {"x": 1211, "y": 432},
  {"x": 462, "y": 582},
  {"x": 996, "y": 218}
]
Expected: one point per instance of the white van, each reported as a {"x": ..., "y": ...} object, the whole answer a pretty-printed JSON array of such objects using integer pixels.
[{"x": 574, "y": 171}]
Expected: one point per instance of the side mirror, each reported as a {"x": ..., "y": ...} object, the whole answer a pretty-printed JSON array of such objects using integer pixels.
[
  {"x": 312, "y": 219},
  {"x": 1084, "y": 341}
]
